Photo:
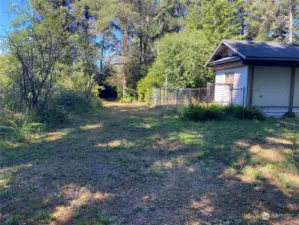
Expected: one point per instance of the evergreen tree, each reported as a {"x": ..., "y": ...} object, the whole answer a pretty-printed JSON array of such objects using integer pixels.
[
  {"x": 218, "y": 19},
  {"x": 273, "y": 20}
]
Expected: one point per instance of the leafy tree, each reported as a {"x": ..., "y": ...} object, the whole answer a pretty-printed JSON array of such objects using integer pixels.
[
  {"x": 37, "y": 43},
  {"x": 180, "y": 63},
  {"x": 9, "y": 76}
]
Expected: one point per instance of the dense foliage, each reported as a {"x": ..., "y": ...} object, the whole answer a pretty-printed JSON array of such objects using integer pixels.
[
  {"x": 217, "y": 112},
  {"x": 48, "y": 57},
  {"x": 180, "y": 63}
]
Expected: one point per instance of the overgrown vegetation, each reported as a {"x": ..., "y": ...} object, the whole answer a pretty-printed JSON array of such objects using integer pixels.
[
  {"x": 205, "y": 112},
  {"x": 61, "y": 110},
  {"x": 48, "y": 71}
]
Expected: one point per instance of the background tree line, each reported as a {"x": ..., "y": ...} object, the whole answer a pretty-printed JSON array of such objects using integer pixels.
[{"x": 64, "y": 49}]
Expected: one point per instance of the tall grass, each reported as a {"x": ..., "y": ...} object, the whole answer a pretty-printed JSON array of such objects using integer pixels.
[{"x": 15, "y": 126}]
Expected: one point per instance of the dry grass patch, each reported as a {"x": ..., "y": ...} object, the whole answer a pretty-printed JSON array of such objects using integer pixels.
[
  {"x": 204, "y": 205},
  {"x": 255, "y": 149},
  {"x": 91, "y": 126},
  {"x": 54, "y": 136},
  {"x": 271, "y": 155},
  {"x": 279, "y": 141},
  {"x": 79, "y": 197}
]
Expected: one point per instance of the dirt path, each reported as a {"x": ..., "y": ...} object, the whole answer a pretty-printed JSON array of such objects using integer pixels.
[{"x": 135, "y": 165}]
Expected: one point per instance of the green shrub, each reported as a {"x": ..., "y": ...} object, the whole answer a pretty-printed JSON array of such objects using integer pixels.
[
  {"x": 249, "y": 113},
  {"x": 146, "y": 84},
  {"x": 130, "y": 92},
  {"x": 18, "y": 127},
  {"x": 244, "y": 113},
  {"x": 289, "y": 115},
  {"x": 127, "y": 99},
  {"x": 56, "y": 114},
  {"x": 66, "y": 103},
  {"x": 204, "y": 113},
  {"x": 72, "y": 101},
  {"x": 214, "y": 112},
  {"x": 218, "y": 112},
  {"x": 94, "y": 102},
  {"x": 13, "y": 220},
  {"x": 195, "y": 113},
  {"x": 232, "y": 110}
]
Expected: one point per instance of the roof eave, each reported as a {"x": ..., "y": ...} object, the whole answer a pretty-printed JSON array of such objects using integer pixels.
[
  {"x": 227, "y": 45},
  {"x": 225, "y": 61},
  {"x": 273, "y": 59}
]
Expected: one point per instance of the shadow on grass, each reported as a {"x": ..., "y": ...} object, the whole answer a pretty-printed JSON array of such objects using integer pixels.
[{"x": 134, "y": 165}]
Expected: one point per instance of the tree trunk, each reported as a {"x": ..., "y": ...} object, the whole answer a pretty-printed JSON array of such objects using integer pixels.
[
  {"x": 291, "y": 27},
  {"x": 125, "y": 55},
  {"x": 141, "y": 49},
  {"x": 102, "y": 55}
]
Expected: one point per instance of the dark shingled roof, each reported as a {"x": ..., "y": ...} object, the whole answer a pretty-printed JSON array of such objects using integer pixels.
[
  {"x": 256, "y": 49},
  {"x": 225, "y": 60}
]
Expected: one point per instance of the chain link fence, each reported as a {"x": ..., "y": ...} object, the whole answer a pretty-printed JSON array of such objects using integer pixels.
[
  {"x": 226, "y": 94},
  {"x": 179, "y": 98}
]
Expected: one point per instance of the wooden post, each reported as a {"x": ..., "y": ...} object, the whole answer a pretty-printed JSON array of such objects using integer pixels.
[
  {"x": 244, "y": 103},
  {"x": 166, "y": 95},
  {"x": 251, "y": 82},
  {"x": 153, "y": 96},
  {"x": 177, "y": 99},
  {"x": 160, "y": 96},
  {"x": 292, "y": 89},
  {"x": 231, "y": 94}
]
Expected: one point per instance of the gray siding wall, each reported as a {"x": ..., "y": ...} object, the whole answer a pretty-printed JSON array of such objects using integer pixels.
[
  {"x": 271, "y": 88},
  {"x": 223, "y": 93},
  {"x": 296, "y": 93}
]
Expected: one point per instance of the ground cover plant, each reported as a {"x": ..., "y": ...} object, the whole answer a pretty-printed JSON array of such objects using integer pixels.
[
  {"x": 205, "y": 112},
  {"x": 130, "y": 164}
]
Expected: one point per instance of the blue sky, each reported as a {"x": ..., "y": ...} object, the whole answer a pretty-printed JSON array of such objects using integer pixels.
[{"x": 5, "y": 16}]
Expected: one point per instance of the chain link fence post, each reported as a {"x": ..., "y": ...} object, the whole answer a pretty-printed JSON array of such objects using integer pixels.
[
  {"x": 190, "y": 96},
  {"x": 177, "y": 99}
]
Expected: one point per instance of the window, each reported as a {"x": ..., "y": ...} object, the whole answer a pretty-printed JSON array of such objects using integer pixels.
[{"x": 229, "y": 78}]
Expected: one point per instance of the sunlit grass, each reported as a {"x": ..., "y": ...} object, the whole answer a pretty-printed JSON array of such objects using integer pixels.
[{"x": 86, "y": 173}]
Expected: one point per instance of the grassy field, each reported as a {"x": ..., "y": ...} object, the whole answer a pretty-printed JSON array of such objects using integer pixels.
[{"x": 135, "y": 165}]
